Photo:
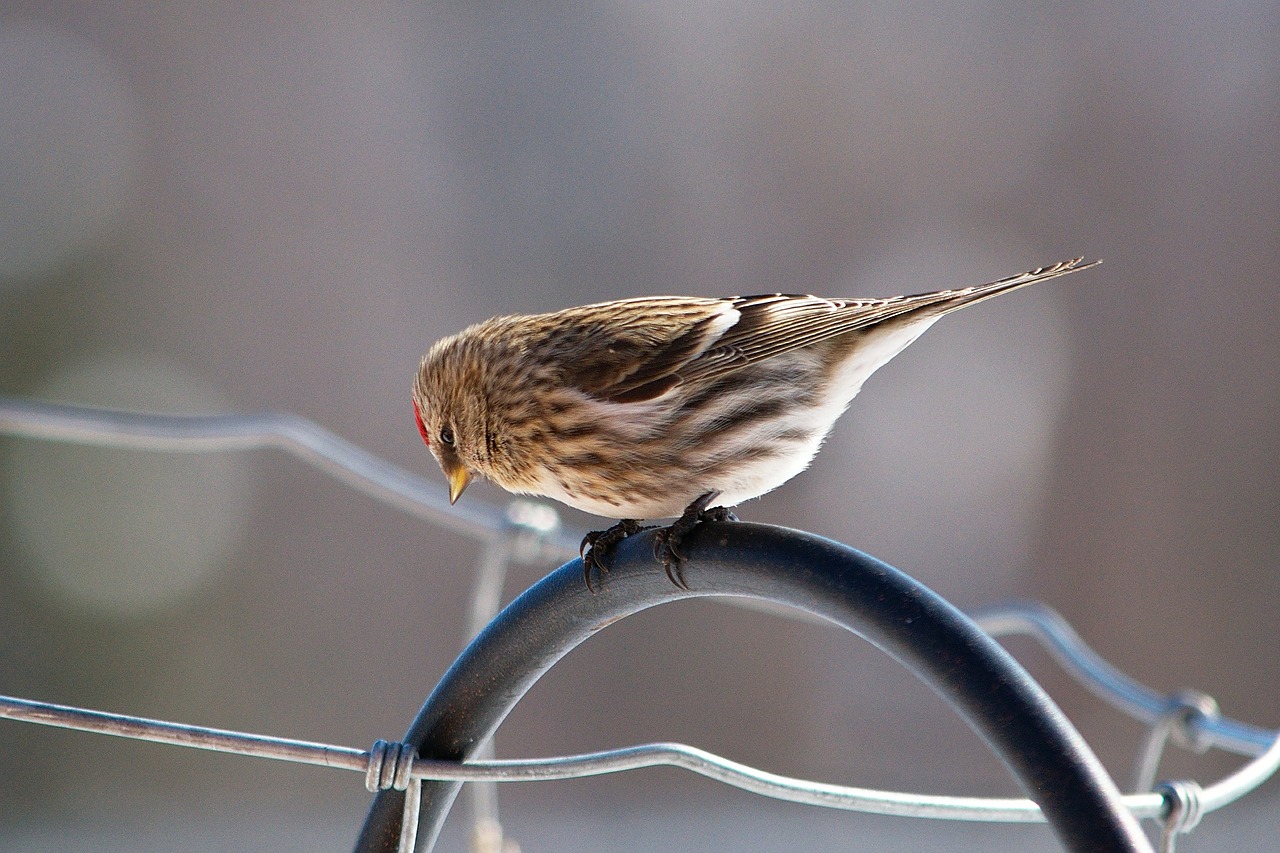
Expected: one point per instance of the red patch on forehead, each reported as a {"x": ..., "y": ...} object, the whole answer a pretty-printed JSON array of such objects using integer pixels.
[{"x": 422, "y": 428}]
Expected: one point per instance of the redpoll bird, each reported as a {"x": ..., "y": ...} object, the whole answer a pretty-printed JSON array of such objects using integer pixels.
[{"x": 655, "y": 407}]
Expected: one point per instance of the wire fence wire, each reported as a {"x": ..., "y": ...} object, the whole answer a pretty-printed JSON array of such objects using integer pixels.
[{"x": 529, "y": 532}]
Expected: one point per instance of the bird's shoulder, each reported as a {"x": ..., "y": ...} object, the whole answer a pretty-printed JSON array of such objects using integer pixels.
[{"x": 629, "y": 350}]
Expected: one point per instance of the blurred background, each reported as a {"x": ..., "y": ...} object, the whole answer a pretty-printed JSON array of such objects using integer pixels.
[{"x": 231, "y": 206}]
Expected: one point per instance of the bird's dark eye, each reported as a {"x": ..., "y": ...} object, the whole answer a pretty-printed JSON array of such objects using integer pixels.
[{"x": 446, "y": 436}]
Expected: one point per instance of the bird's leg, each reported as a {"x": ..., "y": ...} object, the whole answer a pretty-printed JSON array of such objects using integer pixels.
[
  {"x": 666, "y": 542},
  {"x": 596, "y": 546}
]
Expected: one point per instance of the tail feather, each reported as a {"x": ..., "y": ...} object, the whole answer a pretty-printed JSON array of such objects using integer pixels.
[{"x": 954, "y": 300}]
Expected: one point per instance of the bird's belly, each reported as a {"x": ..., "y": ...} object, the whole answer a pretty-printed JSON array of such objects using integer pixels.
[
  {"x": 625, "y": 500},
  {"x": 644, "y": 494},
  {"x": 763, "y": 476}
]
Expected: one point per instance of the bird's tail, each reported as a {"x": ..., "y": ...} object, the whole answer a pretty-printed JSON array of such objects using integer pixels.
[{"x": 953, "y": 300}]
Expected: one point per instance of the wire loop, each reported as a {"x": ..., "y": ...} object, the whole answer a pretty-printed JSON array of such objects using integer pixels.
[
  {"x": 390, "y": 766},
  {"x": 1188, "y": 710},
  {"x": 1183, "y": 810},
  {"x": 1183, "y": 720}
]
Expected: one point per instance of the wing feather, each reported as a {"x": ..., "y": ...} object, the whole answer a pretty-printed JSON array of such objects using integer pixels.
[
  {"x": 634, "y": 349},
  {"x": 638, "y": 349},
  {"x": 777, "y": 323}
]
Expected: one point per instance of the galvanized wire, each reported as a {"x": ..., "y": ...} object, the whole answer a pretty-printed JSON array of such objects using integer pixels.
[
  {"x": 421, "y": 497},
  {"x": 295, "y": 435},
  {"x": 985, "y": 809},
  {"x": 529, "y": 532},
  {"x": 1047, "y": 627}
]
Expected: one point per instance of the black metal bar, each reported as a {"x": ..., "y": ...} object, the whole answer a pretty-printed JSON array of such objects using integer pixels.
[{"x": 925, "y": 633}]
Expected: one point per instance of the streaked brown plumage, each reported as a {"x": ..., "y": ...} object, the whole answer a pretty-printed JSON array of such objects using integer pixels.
[{"x": 640, "y": 407}]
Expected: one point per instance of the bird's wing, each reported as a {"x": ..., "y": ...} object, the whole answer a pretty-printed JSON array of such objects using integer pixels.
[
  {"x": 634, "y": 349},
  {"x": 774, "y": 324},
  {"x": 638, "y": 349}
]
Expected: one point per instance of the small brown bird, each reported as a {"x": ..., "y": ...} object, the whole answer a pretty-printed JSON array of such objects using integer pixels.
[{"x": 657, "y": 406}]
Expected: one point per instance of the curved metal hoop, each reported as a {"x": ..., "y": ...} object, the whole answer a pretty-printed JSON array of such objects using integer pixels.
[{"x": 921, "y": 630}]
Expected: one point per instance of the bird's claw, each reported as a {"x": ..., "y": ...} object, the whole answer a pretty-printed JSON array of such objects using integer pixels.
[
  {"x": 597, "y": 545},
  {"x": 667, "y": 542}
]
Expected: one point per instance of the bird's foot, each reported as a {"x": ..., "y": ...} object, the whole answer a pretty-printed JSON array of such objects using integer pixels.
[
  {"x": 667, "y": 542},
  {"x": 597, "y": 545}
]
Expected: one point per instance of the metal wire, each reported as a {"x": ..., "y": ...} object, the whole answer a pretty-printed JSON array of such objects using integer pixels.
[
  {"x": 421, "y": 497},
  {"x": 1032, "y": 619},
  {"x": 710, "y": 765},
  {"x": 548, "y": 769},
  {"x": 413, "y": 494},
  {"x": 295, "y": 435},
  {"x": 1180, "y": 710}
]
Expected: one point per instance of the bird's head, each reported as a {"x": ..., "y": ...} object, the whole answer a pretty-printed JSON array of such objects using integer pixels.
[{"x": 461, "y": 398}]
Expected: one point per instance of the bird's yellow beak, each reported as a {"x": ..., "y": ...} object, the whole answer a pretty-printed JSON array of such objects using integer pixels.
[{"x": 459, "y": 477}]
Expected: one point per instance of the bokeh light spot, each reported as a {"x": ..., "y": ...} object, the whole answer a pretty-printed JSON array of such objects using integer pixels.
[{"x": 121, "y": 532}]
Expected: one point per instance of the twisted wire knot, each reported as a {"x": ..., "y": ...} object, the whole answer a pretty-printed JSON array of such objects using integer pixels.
[
  {"x": 1183, "y": 810},
  {"x": 389, "y": 766},
  {"x": 1185, "y": 711}
]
